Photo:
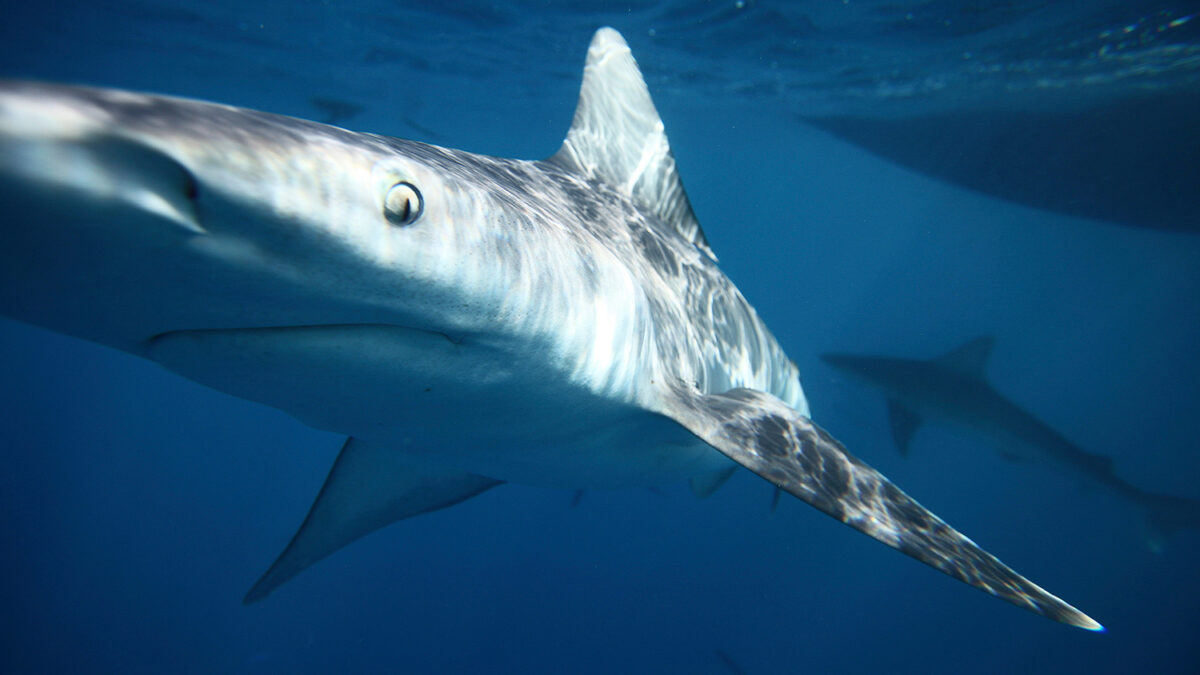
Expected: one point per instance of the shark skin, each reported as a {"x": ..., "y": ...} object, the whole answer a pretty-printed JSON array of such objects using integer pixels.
[
  {"x": 464, "y": 320},
  {"x": 953, "y": 390}
]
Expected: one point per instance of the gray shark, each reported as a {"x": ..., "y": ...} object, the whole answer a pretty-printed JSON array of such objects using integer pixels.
[
  {"x": 953, "y": 389},
  {"x": 464, "y": 320}
]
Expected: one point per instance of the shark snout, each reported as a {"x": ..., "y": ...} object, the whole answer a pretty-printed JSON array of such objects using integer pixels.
[
  {"x": 61, "y": 144},
  {"x": 108, "y": 170},
  {"x": 61, "y": 156}
]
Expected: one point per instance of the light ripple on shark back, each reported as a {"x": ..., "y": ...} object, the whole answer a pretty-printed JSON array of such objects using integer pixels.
[{"x": 465, "y": 320}]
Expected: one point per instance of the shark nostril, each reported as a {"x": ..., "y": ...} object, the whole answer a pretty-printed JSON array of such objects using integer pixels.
[
  {"x": 190, "y": 189},
  {"x": 136, "y": 173}
]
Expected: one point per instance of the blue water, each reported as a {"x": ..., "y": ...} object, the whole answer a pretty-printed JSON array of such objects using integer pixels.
[{"x": 136, "y": 507}]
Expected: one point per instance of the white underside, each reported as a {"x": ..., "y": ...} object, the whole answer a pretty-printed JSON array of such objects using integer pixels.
[{"x": 459, "y": 403}]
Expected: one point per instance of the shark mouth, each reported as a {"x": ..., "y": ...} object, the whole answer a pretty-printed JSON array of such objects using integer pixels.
[
  {"x": 323, "y": 375},
  {"x": 273, "y": 333}
]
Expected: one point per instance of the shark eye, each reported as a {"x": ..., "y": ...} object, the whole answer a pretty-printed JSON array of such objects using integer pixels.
[{"x": 403, "y": 204}]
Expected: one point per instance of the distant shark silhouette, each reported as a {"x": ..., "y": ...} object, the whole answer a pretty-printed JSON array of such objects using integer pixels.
[
  {"x": 1133, "y": 162},
  {"x": 953, "y": 389},
  {"x": 464, "y": 320}
]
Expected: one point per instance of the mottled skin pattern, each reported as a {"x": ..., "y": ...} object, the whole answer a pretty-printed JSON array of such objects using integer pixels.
[
  {"x": 701, "y": 323},
  {"x": 801, "y": 458},
  {"x": 600, "y": 283}
]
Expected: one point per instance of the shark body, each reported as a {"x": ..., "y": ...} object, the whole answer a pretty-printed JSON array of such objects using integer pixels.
[
  {"x": 953, "y": 390},
  {"x": 464, "y": 320}
]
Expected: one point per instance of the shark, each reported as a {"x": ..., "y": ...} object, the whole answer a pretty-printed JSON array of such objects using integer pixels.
[
  {"x": 465, "y": 321},
  {"x": 1085, "y": 160},
  {"x": 952, "y": 389}
]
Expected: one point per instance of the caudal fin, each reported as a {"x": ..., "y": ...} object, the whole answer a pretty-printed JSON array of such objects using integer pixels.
[{"x": 1167, "y": 515}]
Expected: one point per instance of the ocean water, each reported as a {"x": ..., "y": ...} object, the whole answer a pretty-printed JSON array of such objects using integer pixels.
[{"x": 136, "y": 507}]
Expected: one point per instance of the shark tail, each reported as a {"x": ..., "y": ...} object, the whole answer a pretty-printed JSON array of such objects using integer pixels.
[{"x": 1167, "y": 515}]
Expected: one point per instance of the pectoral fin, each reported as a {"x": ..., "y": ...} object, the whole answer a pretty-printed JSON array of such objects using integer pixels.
[
  {"x": 904, "y": 425},
  {"x": 705, "y": 484},
  {"x": 368, "y": 487},
  {"x": 764, "y": 435}
]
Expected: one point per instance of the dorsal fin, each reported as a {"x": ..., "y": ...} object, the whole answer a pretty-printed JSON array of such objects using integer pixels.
[
  {"x": 617, "y": 137},
  {"x": 969, "y": 359}
]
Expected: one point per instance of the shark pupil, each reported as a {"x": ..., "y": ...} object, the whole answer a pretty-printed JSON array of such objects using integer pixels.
[{"x": 403, "y": 205}]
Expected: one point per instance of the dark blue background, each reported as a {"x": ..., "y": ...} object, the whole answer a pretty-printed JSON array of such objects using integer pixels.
[{"x": 136, "y": 508}]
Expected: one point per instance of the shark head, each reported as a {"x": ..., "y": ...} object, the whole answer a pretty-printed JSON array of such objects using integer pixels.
[
  {"x": 147, "y": 218},
  {"x": 297, "y": 264},
  {"x": 316, "y": 225},
  {"x": 294, "y": 263}
]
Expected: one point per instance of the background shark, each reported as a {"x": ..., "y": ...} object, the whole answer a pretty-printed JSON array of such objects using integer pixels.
[
  {"x": 466, "y": 320},
  {"x": 1088, "y": 161},
  {"x": 953, "y": 389}
]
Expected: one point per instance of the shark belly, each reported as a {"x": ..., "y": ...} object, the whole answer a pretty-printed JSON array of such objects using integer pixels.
[{"x": 461, "y": 403}]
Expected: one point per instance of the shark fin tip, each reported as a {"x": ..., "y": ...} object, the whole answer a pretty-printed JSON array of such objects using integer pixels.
[
  {"x": 1073, "y": 617},
  {"x": 617, "y": 137}
]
